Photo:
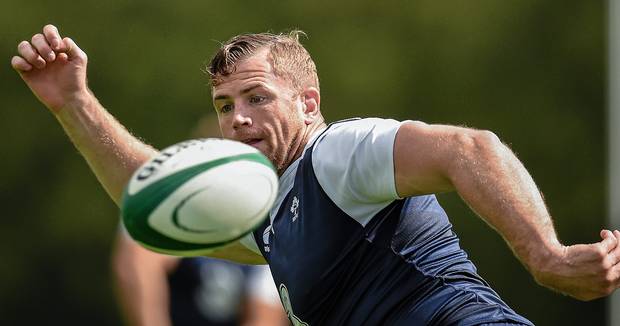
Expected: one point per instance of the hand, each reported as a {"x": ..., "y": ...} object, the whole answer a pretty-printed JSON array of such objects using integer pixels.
[
  {"x": 585, "y": 271},
  {"x": 53, "y": 67}
]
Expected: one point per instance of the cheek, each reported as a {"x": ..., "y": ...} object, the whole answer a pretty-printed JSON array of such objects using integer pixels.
[
  {"x": 225, "y": 130},
  {"x": 294, "y": 123}
]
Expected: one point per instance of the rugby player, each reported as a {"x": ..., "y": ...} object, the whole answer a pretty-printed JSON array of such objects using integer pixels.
[{"x": 356, "y": 236}]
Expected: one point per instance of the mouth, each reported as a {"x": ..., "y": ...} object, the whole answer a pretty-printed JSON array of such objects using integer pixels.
[{"x": 251, "y": 141}]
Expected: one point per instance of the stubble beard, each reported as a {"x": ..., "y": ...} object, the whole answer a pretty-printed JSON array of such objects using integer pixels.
[{"x": 282, "y": 159}]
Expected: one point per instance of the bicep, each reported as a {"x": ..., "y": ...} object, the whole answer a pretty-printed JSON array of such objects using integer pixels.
[{"x": 426, "y": 157}]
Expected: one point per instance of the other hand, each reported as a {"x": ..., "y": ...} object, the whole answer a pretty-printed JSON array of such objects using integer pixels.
[
  {"x": 584, "y": 271},
  {"x": 53, "y": 67}
]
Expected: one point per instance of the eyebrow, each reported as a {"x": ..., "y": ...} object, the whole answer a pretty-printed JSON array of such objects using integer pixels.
[{"x": 245, "y": 91}]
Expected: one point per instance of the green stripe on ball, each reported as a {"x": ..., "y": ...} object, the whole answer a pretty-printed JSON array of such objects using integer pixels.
[{"x": 136, "y": 209}]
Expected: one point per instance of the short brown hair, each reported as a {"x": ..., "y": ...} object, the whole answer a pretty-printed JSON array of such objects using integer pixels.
[{"x": 288, "y": 57}]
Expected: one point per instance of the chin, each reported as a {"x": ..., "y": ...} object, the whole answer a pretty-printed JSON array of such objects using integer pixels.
[
  {"x": 264, "y": 149},
  {"x": 268, "y": 151},
  {"x": 260, "y": 145}
]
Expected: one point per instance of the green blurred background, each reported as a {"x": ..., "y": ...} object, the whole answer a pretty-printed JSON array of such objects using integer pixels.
[{"x": 532, "y": 71}]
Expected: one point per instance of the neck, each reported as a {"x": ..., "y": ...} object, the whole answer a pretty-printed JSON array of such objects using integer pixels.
[{"x": 299, "y": 143}]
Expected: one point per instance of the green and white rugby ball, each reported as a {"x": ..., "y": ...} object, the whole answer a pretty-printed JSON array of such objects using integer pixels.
[{"x": 198, "y": 195}]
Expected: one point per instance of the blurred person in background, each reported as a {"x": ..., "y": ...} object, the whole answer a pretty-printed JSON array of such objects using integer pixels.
[{"x": 160, "y": 290}]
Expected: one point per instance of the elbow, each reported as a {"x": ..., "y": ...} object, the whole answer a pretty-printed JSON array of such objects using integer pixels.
[
  {"x": 488, "y": 141},
  {"x": 476, "y": 157},
  {"x": 481, "y": 142},
  {"x": 479, "y": 146}
]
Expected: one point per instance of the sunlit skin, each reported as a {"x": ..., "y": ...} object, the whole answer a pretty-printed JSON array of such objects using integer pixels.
[{"x": 263, "y": 110}]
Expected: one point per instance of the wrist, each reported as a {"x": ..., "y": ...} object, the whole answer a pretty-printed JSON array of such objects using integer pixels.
[
  {"x": 75, "y": 102},
  {"x": 547, "y": 261},
  {"x": 540, "y": 256},
  {"x": 81, "y": 109}
]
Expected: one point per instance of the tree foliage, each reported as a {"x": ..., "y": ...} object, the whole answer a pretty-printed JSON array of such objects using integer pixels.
[{"x": 531, "y": 71}]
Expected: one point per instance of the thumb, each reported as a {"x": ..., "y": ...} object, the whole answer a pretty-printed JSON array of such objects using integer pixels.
[{"x": 72, "y": 50}]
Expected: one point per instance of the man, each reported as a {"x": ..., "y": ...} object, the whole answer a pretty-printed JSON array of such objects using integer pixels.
[
  {"x": 159, "y": 290},
  {"x": 354, "y": 237}
]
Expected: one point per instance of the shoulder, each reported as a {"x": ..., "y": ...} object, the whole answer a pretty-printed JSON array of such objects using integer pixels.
[
  {"x": 356, "y": 130},
  {"x": 362, "y": 138},
  {"x": 353, "y": 162},
  {"x": 356, "y": 137}
]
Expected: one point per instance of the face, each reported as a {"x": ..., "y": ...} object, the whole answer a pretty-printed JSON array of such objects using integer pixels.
[{"x": 258, "y": 108}]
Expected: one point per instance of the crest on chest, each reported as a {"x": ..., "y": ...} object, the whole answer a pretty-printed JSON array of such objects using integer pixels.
[
  {"x": 294, "y": 209},
  {"x": 287, "y": 217}
]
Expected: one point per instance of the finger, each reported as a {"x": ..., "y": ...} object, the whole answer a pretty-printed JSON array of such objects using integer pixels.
[
  {"x": 616, "y": 276},
  {"x": 605, "y": 233},
  {"x": 609, "y": 241},
  {"x": 615, "y": 253},
  {"x": 29, "y": 53},
  {"x": 612, "y": 258},
  {"x": 52, "y": 36},
  {"x": 45, "y": 51},
  {"x": 72, "y": 50},
  {"x": 19, "y": 64},
  {"x": 63, "y": 57}
]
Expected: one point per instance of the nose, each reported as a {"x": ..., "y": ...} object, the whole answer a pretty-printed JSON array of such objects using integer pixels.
[{"x": 241, "y": 118}]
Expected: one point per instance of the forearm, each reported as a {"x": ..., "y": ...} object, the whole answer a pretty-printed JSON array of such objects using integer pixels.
[
  {"x": 143, "y": 304},
  {"x": 489, "y": 177},
  {"x": 112, "y": 153},
  {"x": 141, "y": 283},
  {"x": 495, "y": 184}
]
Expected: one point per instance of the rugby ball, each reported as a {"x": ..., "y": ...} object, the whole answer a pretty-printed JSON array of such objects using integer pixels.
[{"x": 198, "y": 195}]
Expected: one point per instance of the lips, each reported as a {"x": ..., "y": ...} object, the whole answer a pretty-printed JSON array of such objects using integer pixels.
[{"x": 251, "y": 141}]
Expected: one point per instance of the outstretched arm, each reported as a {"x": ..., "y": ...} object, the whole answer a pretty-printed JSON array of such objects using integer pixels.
[
  {"x": 494, "y": 183},
  {"x": 55, "y": 70}
]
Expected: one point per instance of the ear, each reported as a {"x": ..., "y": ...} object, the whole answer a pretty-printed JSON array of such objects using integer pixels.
[{"x": 311, "y": 104}]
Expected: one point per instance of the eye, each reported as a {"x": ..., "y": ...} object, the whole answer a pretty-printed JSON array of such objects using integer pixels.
[
  {"x": 257, "y": 99},
  {"x": 226, "y": 108}
]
